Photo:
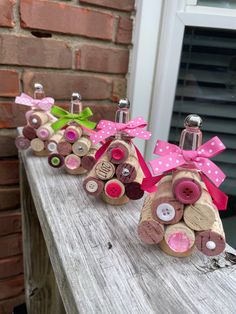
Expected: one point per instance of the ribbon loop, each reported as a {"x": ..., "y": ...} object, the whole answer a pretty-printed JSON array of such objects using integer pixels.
[
  {"x": 189, "y": 155},
  {"x": 44, "y": 104},
  {"x": 65, "y": 117}
]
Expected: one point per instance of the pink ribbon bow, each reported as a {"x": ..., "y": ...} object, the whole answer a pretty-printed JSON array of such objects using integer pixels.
[
  {"x": 44, "y": 104},
  {"x": 173, "y": 157},
  {"x": 108, "y": 128}
]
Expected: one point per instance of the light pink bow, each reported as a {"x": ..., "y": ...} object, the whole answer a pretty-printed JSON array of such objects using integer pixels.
[
  {"x": 173, "y": 157},
  {"x": 44, "y": 104},
  {"x": 108, "y": 128}
]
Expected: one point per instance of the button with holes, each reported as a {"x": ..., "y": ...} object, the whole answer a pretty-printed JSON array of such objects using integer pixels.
[
  {"x": 165, "y": 212},
  {"x": 114, "y": 188},
  {"x": 187, "y": 191}
]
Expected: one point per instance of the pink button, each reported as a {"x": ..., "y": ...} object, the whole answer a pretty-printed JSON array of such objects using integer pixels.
[
  {"x": 71, "y": 135},
  {"x": 187, "y": 191},
  {"x": 72, "y": 162},
  {"x": 179, "y": 242},
  {"x": 43, "y": 134},
  {"x": 117, "y": 153},
  {"x": 114, "y": 190}
]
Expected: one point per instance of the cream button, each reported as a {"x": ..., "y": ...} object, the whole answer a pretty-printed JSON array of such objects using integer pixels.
[
  {"x": 165, "y": 212},
  {"x": 210, "y": 245},
  {"x": 91, "y": 186},
  {"x": 52, "y": 146}
]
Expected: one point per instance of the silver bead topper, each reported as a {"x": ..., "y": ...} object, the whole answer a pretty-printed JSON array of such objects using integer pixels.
[
  {"x": 76, "y": 96},
  {"x": 124, "y": 103},
  {"x": 193, "y": 121},
  {"x": 38, "y": 86}
]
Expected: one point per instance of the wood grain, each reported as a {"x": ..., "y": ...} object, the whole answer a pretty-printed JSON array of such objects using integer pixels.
[{"x": 100, "y": 264}]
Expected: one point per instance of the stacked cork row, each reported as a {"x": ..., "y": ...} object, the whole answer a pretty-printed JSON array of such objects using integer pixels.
[
  {"x": 181, "y": 215},
  {"x": 117, "y": 175},
  {"x": 72, "y": 149}
]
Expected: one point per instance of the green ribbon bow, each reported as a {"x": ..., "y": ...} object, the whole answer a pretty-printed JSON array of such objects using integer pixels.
[{"x": 65, "y": 117}]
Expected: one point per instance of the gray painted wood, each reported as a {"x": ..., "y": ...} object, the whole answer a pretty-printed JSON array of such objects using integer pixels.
[{"x": 129, "y": 277}]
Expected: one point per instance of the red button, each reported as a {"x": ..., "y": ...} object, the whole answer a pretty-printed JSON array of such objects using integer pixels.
[
  {"x": 187, "y": 191},
  {"x": 113, "y": 190},
  {"x": 117, "y": 153}
]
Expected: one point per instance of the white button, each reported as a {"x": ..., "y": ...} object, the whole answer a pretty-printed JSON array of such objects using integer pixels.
[
  {"x": 210, "y": 245},
  {"x": 165, "y": 212},
  {"x": 52, "y": 146},
  {"x": 34, "y": 120},
  {"x": 91, "y": 186}
]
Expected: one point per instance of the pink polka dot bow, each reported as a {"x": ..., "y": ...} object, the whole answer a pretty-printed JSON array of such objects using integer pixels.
[
  {"x": 108, "y": 128},
  {"x": 174, "y": 157},
  {"x": 44, "y": 104}
]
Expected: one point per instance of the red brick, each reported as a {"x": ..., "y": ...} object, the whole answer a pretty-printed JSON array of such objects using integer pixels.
[
  {"x": 36, "y": 52},
  {"x": 10, "y": 245},
  {"x": 67, "y": 19},
  {"x": 7, "y": 306},
  {"x": 118, "y": 89},
  {"x": 61, "y": 85},
  {"x": 9, "y": 83},
  {"x": 100, "y": 59},
  {"x": 127, "y": 5},
  {"x": 9, "y": 172},
  {"x": 6, "y": 16},
  {"x": 124, "y": 32},
  {"x": 12, "y": 115},
  {"x": 9, "y": 197},
  {"x": 7, "y": 143},
  {"x": 11, "y": 266},
  {"x": 11, "y": 287},
  {"x": 10, "y": 221}
]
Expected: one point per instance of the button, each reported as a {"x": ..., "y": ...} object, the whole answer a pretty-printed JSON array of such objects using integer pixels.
[
  {"x": 91, "y": 186},
  {"x": 113, "y": 189},
  {"x": 165, "y": 212},
  {"x": 210, "y": 245},
  {"x": 72, "y": 162},
  {"x": 187, "y": 191},
  {"x": 43, "y": 133},
  {"x": 52, "y": 146},
  {"x": 71, "y": 135},
  {"x": 179, "y": 242},
  {"x": 55, "y": 161},
  {"x": 117, "y": 153}
]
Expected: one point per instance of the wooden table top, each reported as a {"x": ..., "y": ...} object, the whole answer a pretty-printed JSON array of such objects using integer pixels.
[{"x": 100, "y": 264}]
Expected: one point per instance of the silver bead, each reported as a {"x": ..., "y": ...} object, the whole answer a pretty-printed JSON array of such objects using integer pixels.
[
  {"x": 124, "y": 103},
  {"x": 76, "y": 96},
  {"x": 125, "y": 172},
  {"x": 38, "y": 86},
  {"x": 193, "y": 121}
]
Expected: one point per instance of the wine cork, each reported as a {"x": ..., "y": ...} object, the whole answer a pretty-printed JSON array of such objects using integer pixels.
[
  {"x": 127, "y": 171},
  {"x": 165, "y": 248},
  {"x": 200, "y": 215},
  {"x": 37, "y": 145},
  {"x": 45, "y": 131},
  {"x": 88, "y": 161},
  {"x": 114, "y": 189},
  {"x": 64, "y": 148},
  {"x": 72, "y": 133},
  {"x": 150, "y": 231},
  {"x": 115, "y": 201},
  {"x": 42, "y": 153},
  {"x": 186, "y": 186},
  {"x": 134, "y": 190},
  {"x": 165, "y": 208},
  {"x": 54, "y": 140},
  {"x": 93, "y": 186},
  {"x": 81, "y": 146},
  {"x": 179, "y": 237},
  {"x": 38, "y": 118},
  {"x": 22, "y": 142},
  {"x": 72, "y": 163},
  {"x": 104, "y": 169},
  {"x": 212, "y": 242},
  {"x": 56, "y": 160},
  {"x": 29, "y": 132},
  {"x": 118, "y": 151}
]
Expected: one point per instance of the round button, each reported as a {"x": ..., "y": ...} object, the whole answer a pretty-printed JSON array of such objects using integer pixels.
[
  {"x": 117, "y": 153},
  {"x": 34, "y": 121},
  {"x": 55, "y": 161},
  {"x": 71, "y": 135},
  {"x": 165, "y": 212},
  {"x": 125, "y": 172},
  {"x": 72, "y": 162},
  {"x": 52, "y": 146},
  {"x": 210, "y": 245},
  {"x": 91, "y": 186},
  {"x": 187, "y": 191},
  {"x": 43, "y": 133},
  {"x": 113, "y": 190},
  {"x": 179, "y": 242}
]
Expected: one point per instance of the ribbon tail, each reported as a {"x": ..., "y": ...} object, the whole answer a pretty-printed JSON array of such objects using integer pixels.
[
  {"x": 86, "y": 123},
  {"x": 149, "y": 184},
  {"x": 102, "y": 150},
  {"x": 88, "y": 130},
  {"x": 220, "y": 199},
  {"x": 59, "y": 124}
]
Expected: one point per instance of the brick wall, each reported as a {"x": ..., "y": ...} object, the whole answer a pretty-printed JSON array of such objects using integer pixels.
[{"x": 77, "y": 45}]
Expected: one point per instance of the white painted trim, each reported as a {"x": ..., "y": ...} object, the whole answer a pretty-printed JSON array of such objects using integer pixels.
[
  {"x": 191, "y": 2},
  {"x": 143, "y": 58}
]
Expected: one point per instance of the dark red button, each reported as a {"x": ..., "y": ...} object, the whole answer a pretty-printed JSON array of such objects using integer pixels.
[{"x": 187, "y": 191}]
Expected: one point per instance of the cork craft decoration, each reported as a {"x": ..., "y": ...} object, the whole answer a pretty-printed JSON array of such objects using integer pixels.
[
  {"x": 183, "y": 213},
  {"x": 71, "y": 146},
  {"x": 38, "y": 131},
  {"x": 119, "y": 170}
]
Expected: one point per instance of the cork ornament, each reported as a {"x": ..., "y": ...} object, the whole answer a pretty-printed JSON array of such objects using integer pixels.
[
  {"x": 187, "y": 199},
  {"x": 118, "y": 167},
  {"x": 38, "y": 131},
  {"x": 71, "y": 141}
]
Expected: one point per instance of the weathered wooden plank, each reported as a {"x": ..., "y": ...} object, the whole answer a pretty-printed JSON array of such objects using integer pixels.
[
  {"x": 9, "y": 197},
  {"x": 11, "y": 266},
  {"x": 7, "y": 306},
  {"x": 102, "y": 267},
  {"x": 41, "y": 292},
  {"x": 7, "y": 143},
  {"x": 10, "y": 221},
  {"x": 9, "y": 171}
]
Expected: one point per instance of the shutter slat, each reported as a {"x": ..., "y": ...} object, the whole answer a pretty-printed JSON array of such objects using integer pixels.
[
  {"x": 206, "y": 59},
  {"x": 205, "y": 76}
]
